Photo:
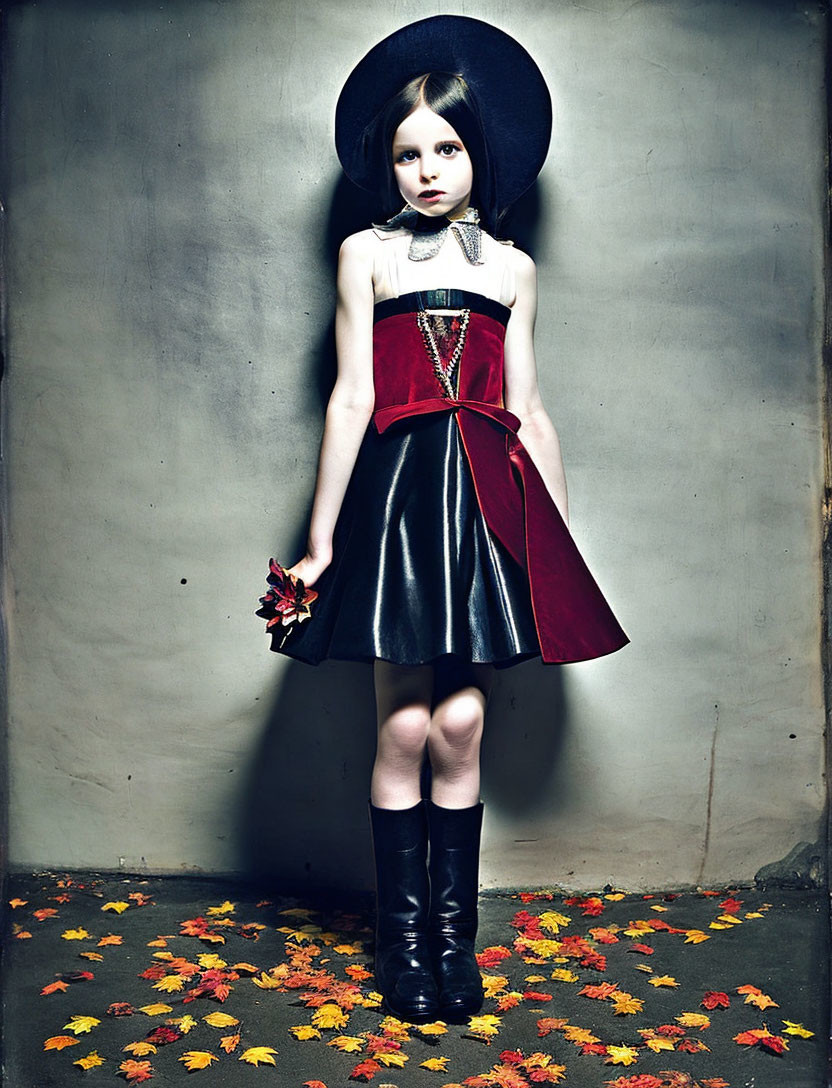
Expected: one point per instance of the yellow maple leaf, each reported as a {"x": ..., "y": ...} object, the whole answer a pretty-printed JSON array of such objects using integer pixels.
[
  {"x": 573, "y": 1034},
  {"x": 329, "y": 1016},
  {"x": 164, "y": 956},
  {"x": 211, "y": 961},
  {"x": 91, "y": 1061},
  {"x": 718, "y": 925},
  {"x": 354, "y": 949},
  {"x": 58, "y": 1042},
  {"x": 662, "y": 980},
  {"x": 762, "y": 1001},
  {"x": 436, "y": 1028},
  {"x": 658, "y": 907},
  {"x": 223, "y": 908},
  {"x": 170, "y": 984},
  {"x": 538, "y": 1060},
  {"x": 220, "y": 1020},
  {"x": 754, "y": 914},
  {"x": 212, "y": 938},
  {"x": 118, "y": 908},
  {"x": 155, "y": 1010},
  {"x": 245, "y": 968},
  {"x": 110, "y": 939},
  {"x": 435, "y": 1065},
  {"x": 533, "y": 978},
  {"x": 694, "y": 1020},
  {"x": 140, "y": 1048},
  {"x": 96, "y": 957},
  {"x": 160, "y": 942},
  {"x": 15, "y": 903},
  {"x": 394, "y": 1058},
  {"x": 255, "y": 1055},
  {"x": 626, "y": 1003},
  {"x": 80, "y": 1025},
  {"x": 185, "y": 1023},
  {"x": 395, "y": 1028},
  {"x": 266, "y": 982},
  {"x": 797, "y": 1029},
  {"x": 615, "y": 897},
  {"x": 198, "y": 1059},
  {"x": 621, "y": 1055},
  {"x": 492, "y": 984},
  {"x": 349, "y": 1044},
  {"x": 79, "y": 934},
  {"x": 563, "y": 974},
  {"x": 644, "y": 967},
  {"x": 305, "y": 1031},
  {"x": 730, "y": 919},
  {"x": 372, "y": 1000},
  {"x": 696, "y": 936},
  {"x": 545, "y": 947},
  {"x": 229, "y": 1043},
  {"x": 486, "y": 1025},
  {"x": 659, "y": 1044},
  {"x": 552, "y": 921}
]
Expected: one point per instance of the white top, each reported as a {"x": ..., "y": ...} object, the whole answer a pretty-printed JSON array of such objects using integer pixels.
[{"x": 395, "y": 274}]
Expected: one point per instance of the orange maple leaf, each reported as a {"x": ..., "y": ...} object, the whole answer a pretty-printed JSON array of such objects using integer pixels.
[
  {"x": 600, "y": 992},
  {"x": 59, "y": 1042},
  {"x": 136, "y": 1072},
  {"x": 547, "y": 1024},
  {"x": 229, "y": 1043},
  {"x": 365, "y": 1070},
  {"x": 55, "y": 987}
]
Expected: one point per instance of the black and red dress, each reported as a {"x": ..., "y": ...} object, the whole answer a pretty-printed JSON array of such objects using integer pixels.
[{"x": 448, "y": 542}]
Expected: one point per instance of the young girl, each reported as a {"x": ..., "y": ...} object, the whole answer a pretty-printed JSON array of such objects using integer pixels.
[{"x": 437, "y": 543}]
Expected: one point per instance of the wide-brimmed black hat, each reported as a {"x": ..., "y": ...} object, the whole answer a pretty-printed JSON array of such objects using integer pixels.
[{"x": 508, "y": 86}]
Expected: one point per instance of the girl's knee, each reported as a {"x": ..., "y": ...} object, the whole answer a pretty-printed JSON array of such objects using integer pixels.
[
  {"x": 406, "y": 729},
  {"x": 458, "y": 721}
]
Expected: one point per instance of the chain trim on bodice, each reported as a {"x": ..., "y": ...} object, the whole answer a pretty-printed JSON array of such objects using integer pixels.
[{"x": 445, "y": 368}]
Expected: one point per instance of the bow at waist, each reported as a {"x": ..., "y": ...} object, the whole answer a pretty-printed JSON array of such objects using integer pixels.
[{"x": 384, "y": 417}]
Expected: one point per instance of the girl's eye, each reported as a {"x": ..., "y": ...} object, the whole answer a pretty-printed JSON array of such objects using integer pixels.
[
  {"x": 448, "y": 149},
  {"x": 406, "y": 156}
]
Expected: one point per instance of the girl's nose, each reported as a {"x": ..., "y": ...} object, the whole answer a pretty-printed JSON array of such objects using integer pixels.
[{"x": 430, "y": 169}]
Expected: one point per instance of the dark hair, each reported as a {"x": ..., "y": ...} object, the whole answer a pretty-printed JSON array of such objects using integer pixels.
[{"x": 448, "y": 95}]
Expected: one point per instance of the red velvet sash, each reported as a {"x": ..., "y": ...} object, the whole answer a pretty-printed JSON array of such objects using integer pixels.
[{"x": 573, "y": 620}]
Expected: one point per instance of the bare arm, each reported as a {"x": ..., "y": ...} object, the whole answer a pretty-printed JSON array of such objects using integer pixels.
[
  {"x": 350, "y": 405},
  {"x": 522, "y": 394}
]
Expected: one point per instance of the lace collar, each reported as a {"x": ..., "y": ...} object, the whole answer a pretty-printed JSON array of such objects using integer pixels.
[{"x": 430, "y": 232}]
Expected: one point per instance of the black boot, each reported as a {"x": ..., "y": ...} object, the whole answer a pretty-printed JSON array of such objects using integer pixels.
[
  {"x": 402, "y": 962},
  {"x": 454, "y": 868}
]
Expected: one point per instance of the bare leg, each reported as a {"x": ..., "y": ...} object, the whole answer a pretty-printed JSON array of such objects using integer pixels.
[
  {"x": 403, "y": 702},
  {"x": 456, "y": 726}
]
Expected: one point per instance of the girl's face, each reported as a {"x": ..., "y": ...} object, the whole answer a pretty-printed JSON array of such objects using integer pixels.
[{"x": 431, "y": 166}]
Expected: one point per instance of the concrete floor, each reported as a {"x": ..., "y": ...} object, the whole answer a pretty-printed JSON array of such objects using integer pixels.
[{"x": 766, "y": 952}]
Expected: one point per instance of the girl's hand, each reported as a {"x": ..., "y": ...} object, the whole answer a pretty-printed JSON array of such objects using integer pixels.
[{"x": 310, "y": 568}]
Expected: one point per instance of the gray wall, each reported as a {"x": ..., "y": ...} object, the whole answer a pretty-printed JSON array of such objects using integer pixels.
[{"x": 173, "y": 207}]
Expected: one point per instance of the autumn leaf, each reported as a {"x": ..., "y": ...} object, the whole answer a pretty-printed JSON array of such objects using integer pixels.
[
  {"x": 155, "y": 1010},
  {"x": 223, "y": 908},
  {"x": 135, "y": 1072},
  {"x": 435, "y": 1065},
  {"x": 621, "y": 1055},
  {"x": 694, "y": 1020},
  {"x": 537, "y": 996},
  {"x": 170, "y": 984},
  {"x": 349, "y": 1044},
  {"x": 229, "y": 1043},
  {"x": 245, "y": 968},
  {"x": 509, "y": 1001},
  {"x": 358, "y": 973},
  {"x": 580, "y": 1036},
  {"x": 45, "y": 912},
  {"x": 564, "y": 975},
  {"x": 55, "y": 987},
  {"x": 58, "y": 1042},
  {"x": 715, "y": 999},
  {"x": 198, "y": 1059},
  {"x": 662, "y": 980},
  {"x": 79, "y": 934},
  {"x": 96, "y": 957},
  {"x": 15, "y": 903},
  {"x": 626, "y": 1003},
  {"x": 644, "y": 949},
  {"x": 184, "y": 1023},
  {"x": 140, "y": 1048},
  {"x": 762, "y": 1001},
  {"x": 220, "y": 1020},
  {"x": 483, "y": 1027},
  {"x": 305, "y": 1031},
  {"x": 600, "y": 992},
  {"x": 696, "y": 936},
  {"x": 797, "y": 1029},
  {"x": 329, "y": 1016},
  {"x": 80, "y": 1025},
  {"x": 437, "y": 1028},
  {"x": 491, "y": 956},
  {"x": 259, "y": 1055},
  {"x": 365, "y": 1070},
  {"x": 91, "y": 1061},
  {"x": 120, "y": 1008},
  {"x": 110, "y": 939},
  {"x": 117, "y": 908},
  {"x": 658, "y": 1045},
  {"x": 164, "y": 1035},
  {"x": 553, "y": 921},
  {"x": 395, "y": 1058},
  {"x": 266, "y": 982},
  {"x": 547, "y": 1024}
]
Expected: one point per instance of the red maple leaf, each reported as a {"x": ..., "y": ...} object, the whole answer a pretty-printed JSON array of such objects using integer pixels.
[
  {"x": 604, "y": 936},
  {"x": 154, "y": 972},
  {"x": 491, "y": 956},
  {"x": 644, "y": 948},
  {"x": 536, "y": 995},
  {"x": 547, "y": 1024},
  {"x": 731, "y": 905},
  {"x": 381, "y": 1044},
  {"x": 670, "y": 1030},
  {"x": 715, "y": 999},
  {"x": 365, "y": 1070},
  {"x": 594, "y": 960},
  {"x": 163, "y": 1034},
  {"x": 511, "y": 1057},
  {"x": 600, "y": 992},
  {"x": 593, "y": 1048},
  {"x": 120, "y": 1008}
]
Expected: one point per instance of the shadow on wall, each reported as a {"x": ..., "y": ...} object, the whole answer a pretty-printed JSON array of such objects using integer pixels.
[{"x": 304, "y": 822}]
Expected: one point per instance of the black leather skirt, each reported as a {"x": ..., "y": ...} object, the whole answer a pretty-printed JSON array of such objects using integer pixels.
[{"x": 416, "y": 574}]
